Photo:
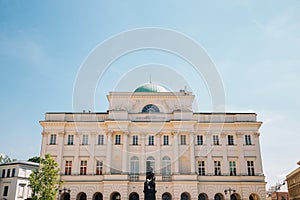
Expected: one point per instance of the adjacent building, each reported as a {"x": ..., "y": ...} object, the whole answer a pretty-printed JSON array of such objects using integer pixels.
[
  {"x": 293, "y": 181},
  {"x": 195, "y": 156},
  {"x": 14, "y": 183}
]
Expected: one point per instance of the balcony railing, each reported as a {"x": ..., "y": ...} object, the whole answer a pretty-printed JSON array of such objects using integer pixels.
[
  {"x": 134, "y": 178},
  {"x": 166, "y": 178}
]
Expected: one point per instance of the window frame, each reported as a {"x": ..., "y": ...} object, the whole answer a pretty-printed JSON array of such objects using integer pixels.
[
  {"x": 52, "y": 139},
  {"x": 166, "y": 140},
  {"x": 248, "y": 140},
  {"x": 70, "y": 140},
  {"x": 117, "y": 139},
  {"x": 232, "y": 168},
  {"x": 216, "y": 140},
  {"x": 151, "y": 140},
  {"x": 85, "y": 139},
  {"x": 182, "y": 139},
  {"x": 217, "y": 168},
  {"x": 135, "y": 140},
  {"x": 68, "y": 167},
  {"x": 230, "y": 139},
  {"x": 201, "y": 167},
  {"x": 100, "y": 139},
  {"x": 199, "y": 139},
  {"x": 250, "y": 168},
  {"x": 99, "y": 167},
  {"x": 83, "y": 167}
]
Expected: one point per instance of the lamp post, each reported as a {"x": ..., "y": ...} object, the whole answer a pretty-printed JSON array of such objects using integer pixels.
[
  {"x": 63, "y": 190},
  {"x": 229, "y": 190},
  {"x": 277, "y": 188}
]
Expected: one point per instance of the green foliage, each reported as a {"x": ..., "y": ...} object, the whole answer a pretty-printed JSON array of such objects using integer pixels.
[
  {"x": 35, "y": 159},
  {"x": 6, "y": 159},
  {"x": 45, "y": 181}
]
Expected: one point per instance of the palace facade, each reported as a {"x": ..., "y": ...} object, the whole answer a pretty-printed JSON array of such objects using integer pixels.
[{"x": 195, "y": 156}]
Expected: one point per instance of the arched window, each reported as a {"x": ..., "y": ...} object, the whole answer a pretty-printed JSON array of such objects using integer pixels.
[
  {"x": 202, "y": 196},
  {"x": 65, "y": 196},
  {"x": 253, "y": 197},
  {"x": 134, "y": 165},
  {"x": 184, "y": 196},
  {"x": 150, "y": 164},
  {"x": 116, "y": 196},
  {"x": 218, "y": 197},
  {"x": 134, "y": 196},
  {"x": 81, "y": 196},
  {"x": 166, "y": 196},
  {"x": 150, "y": 108},
  {"x": 166, "y": 166},
  {"x": 98, "y": 196}
]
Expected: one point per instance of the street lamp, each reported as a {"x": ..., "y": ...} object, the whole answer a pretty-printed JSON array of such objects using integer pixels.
[
  {"x": 63, "y": 190},
  {"x": 277, "y": 188},
  {"x": 229, "y": 190}
]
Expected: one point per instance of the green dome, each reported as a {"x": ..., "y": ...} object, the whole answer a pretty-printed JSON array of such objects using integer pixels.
[{"x": 150, "y": 87}]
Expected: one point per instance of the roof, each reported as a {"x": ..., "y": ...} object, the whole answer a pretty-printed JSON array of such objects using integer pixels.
[
  {"x": 151, "y": 87},
  {"x": 21, "y": 162}
]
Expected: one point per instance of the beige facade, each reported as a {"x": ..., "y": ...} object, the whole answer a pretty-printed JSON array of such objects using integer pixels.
[
  {"x": 194, "y": 155},
  {"x": 293, "y": 181}
]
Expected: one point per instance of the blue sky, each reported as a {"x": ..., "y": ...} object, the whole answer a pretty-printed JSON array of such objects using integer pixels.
[{"x": 254, "y": 44}]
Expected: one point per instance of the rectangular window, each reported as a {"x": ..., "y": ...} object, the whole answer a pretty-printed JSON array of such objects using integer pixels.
[
  {"x": 250, "y": 166},
  {"x": 3, "y": 173},
  {"x": 232, "y": 168},
  {"x": 201, "y": 168},
  {"x": 13, "y": 173},
  {"x": 5, "y": 191},
  {"x": 99, "y": 167},
  {"x": 248, "y": 139},
  {"x": 216, "y": 140},
  {"x": 118, "y": 139},
  {"x": 83, "y": 167},
  {"x": 21, "y": 191},
  {"x": 135, "y": 140},
  {"x": 85, "y": 139},
  {"x": 230, "y": 140},
  {"x": 52, "y": 139},
  {"x": 183, "y": 139},
  {"x": 100, "y": 139},
  {"x": 166, "y": 140},
  {"x": 151, "y": 140},
  {"x": 217, "y": 168},
  {"x": 68, "y": 167},
  {"x": 8, "y": 173},
  {"x": 199, "y": 139},
  {"x": 70, "y": 139}
]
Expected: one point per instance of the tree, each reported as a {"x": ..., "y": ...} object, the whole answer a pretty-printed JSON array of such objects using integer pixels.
[
  {"x": 45, "y": 181},
  {"x": 35, "y": 159},
  {"x": 6, "y": 159}
]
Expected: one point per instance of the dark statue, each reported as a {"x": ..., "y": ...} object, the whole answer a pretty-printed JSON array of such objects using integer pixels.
[{"x": 149, "y": 185}]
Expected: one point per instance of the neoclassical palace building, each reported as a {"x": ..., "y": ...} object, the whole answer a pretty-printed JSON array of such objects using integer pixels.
[{"x": 195, "y": 156}]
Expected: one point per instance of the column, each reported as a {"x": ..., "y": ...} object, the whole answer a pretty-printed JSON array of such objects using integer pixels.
[
  {"x": 143, "y": 155},
  {"x": 258, "y": 161},
  {"x": 44, "y": 143},
  {"x": 125, "y": 153},
  {"x": 158, "y": 156},
  {"x": 75, "y": 164},
  {"x": 176, "y": 158},
  {"x": 225, "y": 163},
  {"x": 241, "y": 160},
  {"x": 192, "y": 152},
  {"x": 60, "y": 145},
  {"x": 108, "y": 153}
]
